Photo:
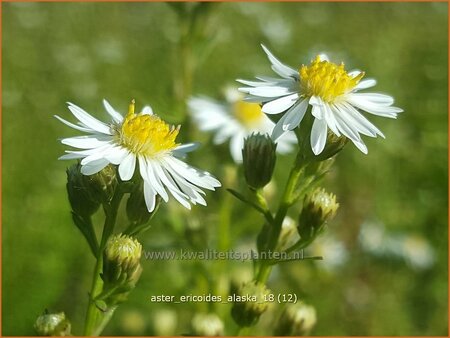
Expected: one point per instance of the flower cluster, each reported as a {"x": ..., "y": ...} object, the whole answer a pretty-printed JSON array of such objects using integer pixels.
[{"x": 313, "y": 110}]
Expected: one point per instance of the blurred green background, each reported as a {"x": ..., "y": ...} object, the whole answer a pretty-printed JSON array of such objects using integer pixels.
[{"x": 385, "y": 255}]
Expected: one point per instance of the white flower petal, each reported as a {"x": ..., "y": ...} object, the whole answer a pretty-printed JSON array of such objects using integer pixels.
[
  {"x": 80, "y": 153},
  {"x": 266, "y": 91},
  {"x": 117, "y": 117},
  {"x": 373, "y": 108},
  {"x": 330, "y": 118},
  {"x": 364, "y": 84},
  {"x": 256, "y": 99},
  {"x": 361, "y": 146},
  {"x": 127, "y": 166},
  {"x": 147, "y": 110},
  {"x": 183, "y": 149},
  {"x": 74, "y": 126},
  {"x": 149, "y": 196},
  {"x": 318, "y": 110},
  {"x": 324, "y": 57},
  {"x": 256, "y": 83},
  {"x": 88, "y": 120},
  {"x": 290, "y": 120},
  {"x": 280, "y": 68},
  {"x": 116, "y": 154},
  {"x": 345, "y": 127},
  {"x": 236, "y": 145},
  {"x": 87, "y": 142},
  {"x": 164, "y": 176},
  {"x": 228, "y": 130},
  {"x": 280, "y": 105},
  {"x": 274, "y": 80},
  {"x": 93, "y": 154},
  {"x": 207, "y": 113},
  {"x": 354, "y": 73},
  {"x": 364, "y": 125},
  {"x": 374, "y": 98},
  {"x": 94, "y": 167},
  {"x": 152, "y": 178},
  {"x": 318, "y": 136},
  {"x": 193, "y": 192},
  {"x": 197, "y": 177},
  {"x": 92, "y": 158},
  {"x": 176, "y": 192},
  {"x": 71, "y": 156}
]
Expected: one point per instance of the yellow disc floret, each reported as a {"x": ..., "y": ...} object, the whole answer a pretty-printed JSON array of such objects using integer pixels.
[
  {"x": 247, "y": 113},
  {"x": 147, "y": 135},
  {"x": 326, "y": 80}
]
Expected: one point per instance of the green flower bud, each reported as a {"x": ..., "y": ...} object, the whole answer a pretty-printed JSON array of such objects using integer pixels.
[
  {"x": 334, "y": 145},
  {"x": 102, "y": 184},
  {"x": 137, "y": 211},
  {"x": 79, "y": 196},
  {"x": 86, "y": 193},
  {"x": 52, "y": 324},
  {"x": 207, "y": 325},
  {"x": 288, "y": 234},
  {"x": 250, "y": 303},
  {"x": 296, "y": 319},
  {"x": 121, "y": 267},
  {"x": 318, "y": 208},
  {"x": 259, "y": 159}
]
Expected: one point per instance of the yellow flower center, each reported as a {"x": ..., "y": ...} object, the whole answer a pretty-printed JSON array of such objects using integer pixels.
[
  {"x": 247, "y": 113},
  {"x": 147, "y": 135},
  {"x": 326, "y": 80}
]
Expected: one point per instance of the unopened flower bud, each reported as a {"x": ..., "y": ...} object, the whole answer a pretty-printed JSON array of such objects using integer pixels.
[
  {"x": 259, "y": 159},
  {"x": 334, "y": 145},
  {"x": 296, "y": 319},
  {"x": 79, "y": 196},
  {"x": 288, "y": 234},
  {"x": 137, "y": 211},
  {"x": 52, "y": 324},
  {"x": 318, "y": 208},
  {"x": 86, "y": 193},
  {"x": 250, "y": 303},
  {"x": 102, "y": 184},
  {"x": 207, "y": 325},
  {"x": 121, "y": 266}
]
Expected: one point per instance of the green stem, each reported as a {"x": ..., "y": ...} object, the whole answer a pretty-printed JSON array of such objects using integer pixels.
[
  {"x": 104, "y": 321},
  {"x": 94, "y": 315},
  {"x": 286, "y": 202}
]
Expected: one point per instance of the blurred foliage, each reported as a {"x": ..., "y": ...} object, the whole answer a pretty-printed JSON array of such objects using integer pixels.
[{"x": 83, "y": 52}]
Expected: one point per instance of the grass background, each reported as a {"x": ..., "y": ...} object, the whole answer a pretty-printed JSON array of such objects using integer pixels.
[{"x": 83, "y": 52}]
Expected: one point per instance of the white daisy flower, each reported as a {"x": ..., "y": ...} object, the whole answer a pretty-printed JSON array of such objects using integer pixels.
[
  {"x": 234, "y": 120},
  {"x": 332, "y": 93},
  {"x": 142, "y": 140}
]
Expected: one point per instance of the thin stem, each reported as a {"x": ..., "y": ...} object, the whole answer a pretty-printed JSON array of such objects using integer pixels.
[
  {"x": 263, "y": 205},
  {"x": 104, "y": 321},
  {"x": 93, "y": 314},
  {"x": 286, "y": 202}
]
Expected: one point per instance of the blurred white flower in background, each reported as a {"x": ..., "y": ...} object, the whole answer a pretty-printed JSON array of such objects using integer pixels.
[
  {"x": 234, "y": 120},
  {"x": 413, "y": 249},
  {"x": 333, "y": 251}
]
